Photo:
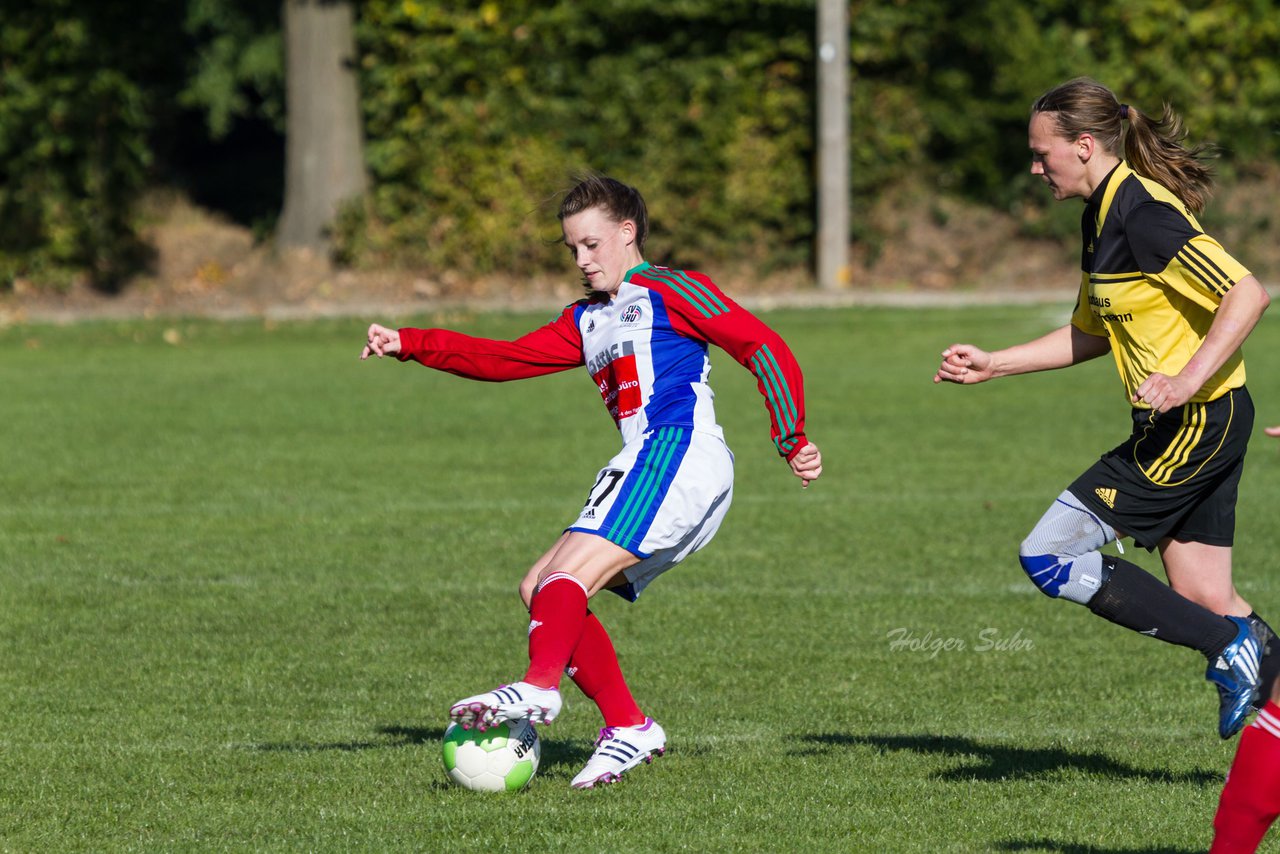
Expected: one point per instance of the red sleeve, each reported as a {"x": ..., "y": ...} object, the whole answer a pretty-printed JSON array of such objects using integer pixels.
[
  {"x": 699, "y": 309},
  {"x": 551, "y": 348}
]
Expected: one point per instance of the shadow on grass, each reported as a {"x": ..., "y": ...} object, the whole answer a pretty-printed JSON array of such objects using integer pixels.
[
  {"x": 1050, "y": 845},
  {"x": 554, "y": 751},
  {"x": 997, "y": 762}
]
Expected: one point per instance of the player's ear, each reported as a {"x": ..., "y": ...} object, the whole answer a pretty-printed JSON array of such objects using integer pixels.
[
  {"x": 1085, "y": 145},
  {"x": 628, "y": 229}
]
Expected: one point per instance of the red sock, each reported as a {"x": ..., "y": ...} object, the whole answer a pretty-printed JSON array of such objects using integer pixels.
[
  {"x": 1251, "y": 798},
  {"x": 594, "y": 668},
  {"x": 557, "y": 613}
]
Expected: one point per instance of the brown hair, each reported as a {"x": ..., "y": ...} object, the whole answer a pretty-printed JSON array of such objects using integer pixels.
[
  {"x": 1154, "y": 149},
  {"x": 618, "y": 200}
]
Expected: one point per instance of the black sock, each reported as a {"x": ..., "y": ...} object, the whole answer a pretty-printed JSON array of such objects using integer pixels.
[
  {"x": 1136, "y": 599},
  {"x": 1269, "y": 669}
]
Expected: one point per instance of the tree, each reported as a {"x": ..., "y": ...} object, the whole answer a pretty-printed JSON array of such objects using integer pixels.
[
  {"x": 76, "y": 112},
  {"x": 324, "y": 148}
]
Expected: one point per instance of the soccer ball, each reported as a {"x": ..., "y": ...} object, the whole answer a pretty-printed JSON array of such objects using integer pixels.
[{"x": 503, "y": 758}]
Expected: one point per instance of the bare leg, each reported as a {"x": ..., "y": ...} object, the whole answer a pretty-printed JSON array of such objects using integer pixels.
[
  {"x": 593, "y": 560},
  {"x": 1202, "y": 573}
]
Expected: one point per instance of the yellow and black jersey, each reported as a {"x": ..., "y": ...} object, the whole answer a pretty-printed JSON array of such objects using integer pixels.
[{"x": 1152, "y": 281}]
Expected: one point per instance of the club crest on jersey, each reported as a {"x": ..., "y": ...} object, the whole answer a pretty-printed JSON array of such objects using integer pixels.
[{"x": 632, "y": 313}]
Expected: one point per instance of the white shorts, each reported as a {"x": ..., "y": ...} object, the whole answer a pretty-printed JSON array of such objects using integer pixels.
[{"x": 661, "y": 498}]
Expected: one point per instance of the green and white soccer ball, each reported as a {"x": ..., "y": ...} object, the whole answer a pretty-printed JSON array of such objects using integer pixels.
[{"x": 503, "y": 758}]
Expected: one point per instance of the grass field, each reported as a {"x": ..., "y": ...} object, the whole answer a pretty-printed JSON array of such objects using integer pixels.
[{"x": 243, "y": 576}]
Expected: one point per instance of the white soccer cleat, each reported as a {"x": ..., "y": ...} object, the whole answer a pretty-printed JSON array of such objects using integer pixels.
[
  {"x": 513, "y": 702},
  {"x": 618, "y": 750}
]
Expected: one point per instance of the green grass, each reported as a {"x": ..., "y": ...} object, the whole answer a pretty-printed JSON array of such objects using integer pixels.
[{"x": 243, "y": 575}]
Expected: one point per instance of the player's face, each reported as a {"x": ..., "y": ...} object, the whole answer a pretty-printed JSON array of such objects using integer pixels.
[
  {"x": 1057, "y": 159},
  {"x": 604, "y": 250}
]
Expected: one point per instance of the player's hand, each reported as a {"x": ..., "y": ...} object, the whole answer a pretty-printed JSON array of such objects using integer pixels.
[
  {"x": 381, "y": 342},
  {"x": 1272, "y": 431},
  {"x": 1163, "y": 393},
  {"x": 807, "y": 464},
  {"x": 964, "y": 364}
]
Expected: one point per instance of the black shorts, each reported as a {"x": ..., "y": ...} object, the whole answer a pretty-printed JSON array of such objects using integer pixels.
[{"x": 1176, "y": 476}]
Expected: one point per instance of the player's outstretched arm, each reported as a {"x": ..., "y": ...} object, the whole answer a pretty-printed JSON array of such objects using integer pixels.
[
  {"x": 807, "y": 464},
  {"x": 380, "y": 341},
  {"x": 966, "y": 364}
]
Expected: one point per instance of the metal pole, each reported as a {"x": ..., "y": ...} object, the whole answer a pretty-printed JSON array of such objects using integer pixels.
[{"x": 833, "y": 144}]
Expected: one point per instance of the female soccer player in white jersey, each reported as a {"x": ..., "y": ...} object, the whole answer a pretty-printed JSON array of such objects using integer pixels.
[
  {"x": 643, "y": 333},
  {"x": 1173, "y": 308}
]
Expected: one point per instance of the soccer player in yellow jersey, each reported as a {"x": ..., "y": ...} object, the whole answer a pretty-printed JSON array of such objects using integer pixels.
[{"x": 1173, "y": 309}]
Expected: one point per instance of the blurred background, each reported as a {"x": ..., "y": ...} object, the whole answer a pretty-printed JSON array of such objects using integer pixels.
[{"x": 205, "y": 153}]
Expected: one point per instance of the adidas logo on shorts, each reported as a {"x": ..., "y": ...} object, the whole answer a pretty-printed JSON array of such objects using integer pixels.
[{"x": 1108, "y": 496}]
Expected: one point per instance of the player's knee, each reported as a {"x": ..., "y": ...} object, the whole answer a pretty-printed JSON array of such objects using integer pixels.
[
  {"x": 1046, "y": 571},
  {"x": 527, "y": 586},
  {"x": 1064, "y": 575},
  {"x": 1061, "y": 555}
]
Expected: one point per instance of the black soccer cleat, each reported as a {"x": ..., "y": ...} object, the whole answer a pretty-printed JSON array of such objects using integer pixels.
[{"x": 1269, "y": 659}]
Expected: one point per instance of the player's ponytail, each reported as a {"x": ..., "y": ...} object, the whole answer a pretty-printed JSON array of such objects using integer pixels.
[{"x": 1153, "y": 149}]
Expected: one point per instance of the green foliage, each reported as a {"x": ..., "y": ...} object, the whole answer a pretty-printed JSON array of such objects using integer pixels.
[
  {"x": 89, "y": 93},
  {"x": 74, "y": 148},
  {"x": 944, "y": 88},
  {"x": 239, "y": 64},
  {"x": 478, "y": 116}
]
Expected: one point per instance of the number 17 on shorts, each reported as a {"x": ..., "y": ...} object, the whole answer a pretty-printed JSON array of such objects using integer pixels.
[{"x": 657, "y": 492}]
